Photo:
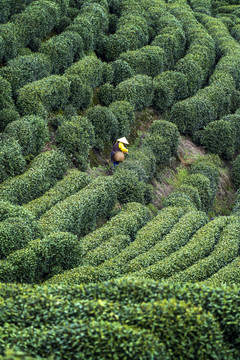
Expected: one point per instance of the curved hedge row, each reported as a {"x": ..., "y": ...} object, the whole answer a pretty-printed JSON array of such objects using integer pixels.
[
  {"x": 31, "y": 132},
  {"x": 25, "y": 69},
  {"x": 140, "y": 302},
  {"x": 41, "y": 258},
  {"x": 131, "y": 218},
  {"x": 146, "y": 264},
  {"x": 12, "y": 161},
  {"x": 44, "y": 171},
  {"x": 228, "y": 274},
  {"x": 226, "y": 250},
  {"x": 35, "y": 22},
  {"x": 198, "y": 247},
  {"x": 72, "y": 182},
  {"x": 79, "y": 212}
]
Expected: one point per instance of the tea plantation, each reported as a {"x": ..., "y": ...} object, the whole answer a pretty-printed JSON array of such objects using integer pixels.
[{"x": 92, "y": 265}]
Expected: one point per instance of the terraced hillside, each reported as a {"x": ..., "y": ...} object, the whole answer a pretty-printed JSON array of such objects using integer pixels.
[{"x": 94, "y": 264}]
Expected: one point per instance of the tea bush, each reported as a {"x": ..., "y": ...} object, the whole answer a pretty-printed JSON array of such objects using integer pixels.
[
  {"x": 199, "y": 246},
  {"x": 37, "y": 20},
  {"x": 203, "y": 185},
  {"x": 130, "y": 188},
  {"x": 89, "y": 69},
  {"x": 219, "y": 138},
  {"x": 83, "y": 27},
  {"x": 31, "y": 132},
  {"x": 12, "y": 161},
  {"x": 6, "y": 101},
  {"x": 62, "y": 50},
  {"x": 50, "y": 93},
  {"x": 149, "y": 60},
  {"x": 159, "y": 147},
  {"x": 15, "y": 233},
  {"x": 127, "y": 222},
  {"x": 169, "y": 87},
  {"x": 228, "y": 274},
  {"x": 121, "y": 71},
  {"x": 168, "y": 131},
  {"x": 76, "y": 138},
  {"x": 104, "y": 123},
  {"x": 81, "y": 94},
  {"x": 106, "y": 94},
  {"x": 124, "y": 113},
  {"x": 79, "y": 212},
  {"x": 72, "y": 182},
  {"x": 179, "y": 236},
  {"x": 225, "y": 251},
  {"x": 41, "y": 259},
  {"x": 43, "y": 172},
  {"x": 107, "y": 250},
  {"x": 7, "y": 116},
  {"x": 137, "y": 90},
  {"x": 172, "y": 40},
  {"x": 25, "y": 69}
]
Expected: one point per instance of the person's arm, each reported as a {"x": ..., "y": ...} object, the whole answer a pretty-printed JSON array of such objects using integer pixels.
[{"x": 122, "y": 148}]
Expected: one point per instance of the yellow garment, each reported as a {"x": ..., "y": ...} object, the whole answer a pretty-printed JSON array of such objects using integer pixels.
[{"x": 122, "y": 148}]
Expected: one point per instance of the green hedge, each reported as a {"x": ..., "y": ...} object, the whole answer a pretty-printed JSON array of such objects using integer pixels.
[
  {"x": 31, "y": 132},
  {"x": 104, "y": 123},
  {"x": 131, "y": 34},
  {"x": 180, "y": 199},
  {"x": 16, "y": 232},
  {"x": 225, "y": 251},
  {"x": 50, "y": 93},
  {"x": 11, "y": 42},
  {"x": 169, "y": 87},
  {"x": 146, "y": 238},
  {"x": 89, "y": 69},
  {"x": 140, "y": 303},
  {"x": 228, "y": 274},
  {"x": 168, "y": 131},
  {"x": 146, "y": 264},
  {"x": 203, "y": 185},
  {"x": 106, "y": 338},
  {"x": 43, "y": 172},
  {"x": 37, "y": 20},
  {"x": 159, "y": 146},
  {"x": 12, "y": 161},
  {"x": 130, "y": 188},
  {"x": 76, "y": 138},
  {"x": 25, "y": 69},
  {"x": 124, "y": 112},
  {"x": 41, "y": 258},
  {"x": 149, "y": 60},
  {"x": 138, "y": 318},
  {"x": 172, "y": 40},
  {"x": 81, "y": 94},
  {"x": 198, "y": 247},
  {"x": 107, "y": 250},
  {"x": 83, "y": 27},
  {"x": 121, "y": 71},
  {"x": 6, "y": 100},
  {"x": 62, "y": 50},
  {"x": 79, "y": 212},
  {"x": 219, "y": 137},
  {"x": 236, "y": 171},
  {"x": 106, "y": 94},
  {"x": 137, "y": 90},
  {"x": 71, "y": 183},
  {"x": 7, "y": 116},
  {"x": 130, "y": 219}
]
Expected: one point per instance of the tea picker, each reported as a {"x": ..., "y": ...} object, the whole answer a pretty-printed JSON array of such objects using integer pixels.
[{"x": 118, "y": 151}]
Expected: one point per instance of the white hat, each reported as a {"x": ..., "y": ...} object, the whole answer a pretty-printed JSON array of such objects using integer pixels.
[{"x": 123, "y": 140}]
